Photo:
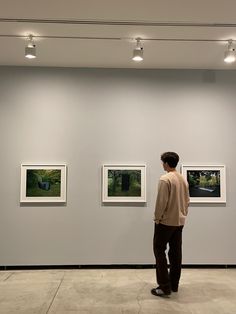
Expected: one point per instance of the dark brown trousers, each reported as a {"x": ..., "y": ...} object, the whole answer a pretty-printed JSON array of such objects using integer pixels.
[{"x": 171, "y": 235}]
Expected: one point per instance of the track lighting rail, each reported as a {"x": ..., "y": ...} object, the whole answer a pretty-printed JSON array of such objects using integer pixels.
[
  {"x": 116, "y": 38},
  {"x": 117, "y": 23},
  {"x": 30, "y": 49}
]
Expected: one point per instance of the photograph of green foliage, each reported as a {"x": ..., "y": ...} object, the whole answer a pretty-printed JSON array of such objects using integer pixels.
[
  {"x": 207, "y": 184},
  {"x": 43, "y": 183},
  {"x": 124, "y": 183},
  {"x": 204, "y": 183}
]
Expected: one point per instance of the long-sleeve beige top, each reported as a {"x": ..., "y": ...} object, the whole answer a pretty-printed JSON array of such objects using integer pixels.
[{"x": 172, "y": 200}]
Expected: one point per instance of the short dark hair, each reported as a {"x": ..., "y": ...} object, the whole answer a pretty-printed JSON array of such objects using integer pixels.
[{"x": 171, "y": 158}]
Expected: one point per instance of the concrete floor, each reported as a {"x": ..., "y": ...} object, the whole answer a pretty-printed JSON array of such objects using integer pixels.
[{"x": 202, "y": 291}]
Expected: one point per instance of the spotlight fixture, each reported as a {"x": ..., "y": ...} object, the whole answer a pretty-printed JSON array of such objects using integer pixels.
[
  {"x": 230, "y": 53},
  {"x": 30, "y": 49},
  {"x": 138, "y": 51}
]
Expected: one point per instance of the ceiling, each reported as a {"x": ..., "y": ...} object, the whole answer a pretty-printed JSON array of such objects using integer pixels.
[{"x": 186, "y": 34}]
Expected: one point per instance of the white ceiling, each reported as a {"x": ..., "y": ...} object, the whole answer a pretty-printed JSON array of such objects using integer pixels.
[{"x": 117, "y": 52}]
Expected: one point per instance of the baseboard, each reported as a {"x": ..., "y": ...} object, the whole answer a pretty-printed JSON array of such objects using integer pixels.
[{"x": 113, "y": 266}]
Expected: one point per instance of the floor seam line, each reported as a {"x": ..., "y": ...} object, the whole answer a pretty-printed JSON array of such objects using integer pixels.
[
  {"x": 55, "y": 294},
  {"x": 8, "y": 277}
]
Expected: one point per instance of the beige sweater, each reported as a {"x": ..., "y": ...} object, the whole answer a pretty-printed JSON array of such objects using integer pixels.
[{"x": 172, "y": 200}]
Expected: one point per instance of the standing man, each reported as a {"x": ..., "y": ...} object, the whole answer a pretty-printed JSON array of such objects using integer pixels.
[{"x": 170, "y": 213}]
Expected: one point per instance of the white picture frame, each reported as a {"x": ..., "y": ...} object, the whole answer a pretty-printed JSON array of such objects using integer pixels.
[
  {"x": 207, "y": 183},
  {"x": 43, "y": 183},
  {"x": 124, "y": 183}
]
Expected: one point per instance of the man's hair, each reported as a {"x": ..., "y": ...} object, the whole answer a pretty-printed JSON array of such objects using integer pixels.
[{"x": 170, "y": 158}]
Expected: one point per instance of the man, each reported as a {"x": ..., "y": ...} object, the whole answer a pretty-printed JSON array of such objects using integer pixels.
[{"x": 170, "y": 213}]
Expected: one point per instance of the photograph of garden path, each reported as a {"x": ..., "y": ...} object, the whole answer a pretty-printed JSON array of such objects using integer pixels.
[
  {"x": 43, "y": 183},
  {"x": 204, "y": 183}
]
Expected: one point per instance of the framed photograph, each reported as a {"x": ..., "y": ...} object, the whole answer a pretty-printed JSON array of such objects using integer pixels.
[
  {"x": 124, "y": 183},
  {"x": 207, "y": 184},
  {"x": 43, "y": 183}
]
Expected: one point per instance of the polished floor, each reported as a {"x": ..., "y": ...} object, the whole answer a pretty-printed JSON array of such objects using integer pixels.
[{"x": 113, "y": 291}]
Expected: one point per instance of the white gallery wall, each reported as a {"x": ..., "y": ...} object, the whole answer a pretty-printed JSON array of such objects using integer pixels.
[{"x": 88, "y": 117}]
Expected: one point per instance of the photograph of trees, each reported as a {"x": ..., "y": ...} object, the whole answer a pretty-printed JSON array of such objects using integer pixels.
[
  {"x": 43, "y": 183},
  {"x": 204, "y": 183},
  {"x": 124, "y": 183}
]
